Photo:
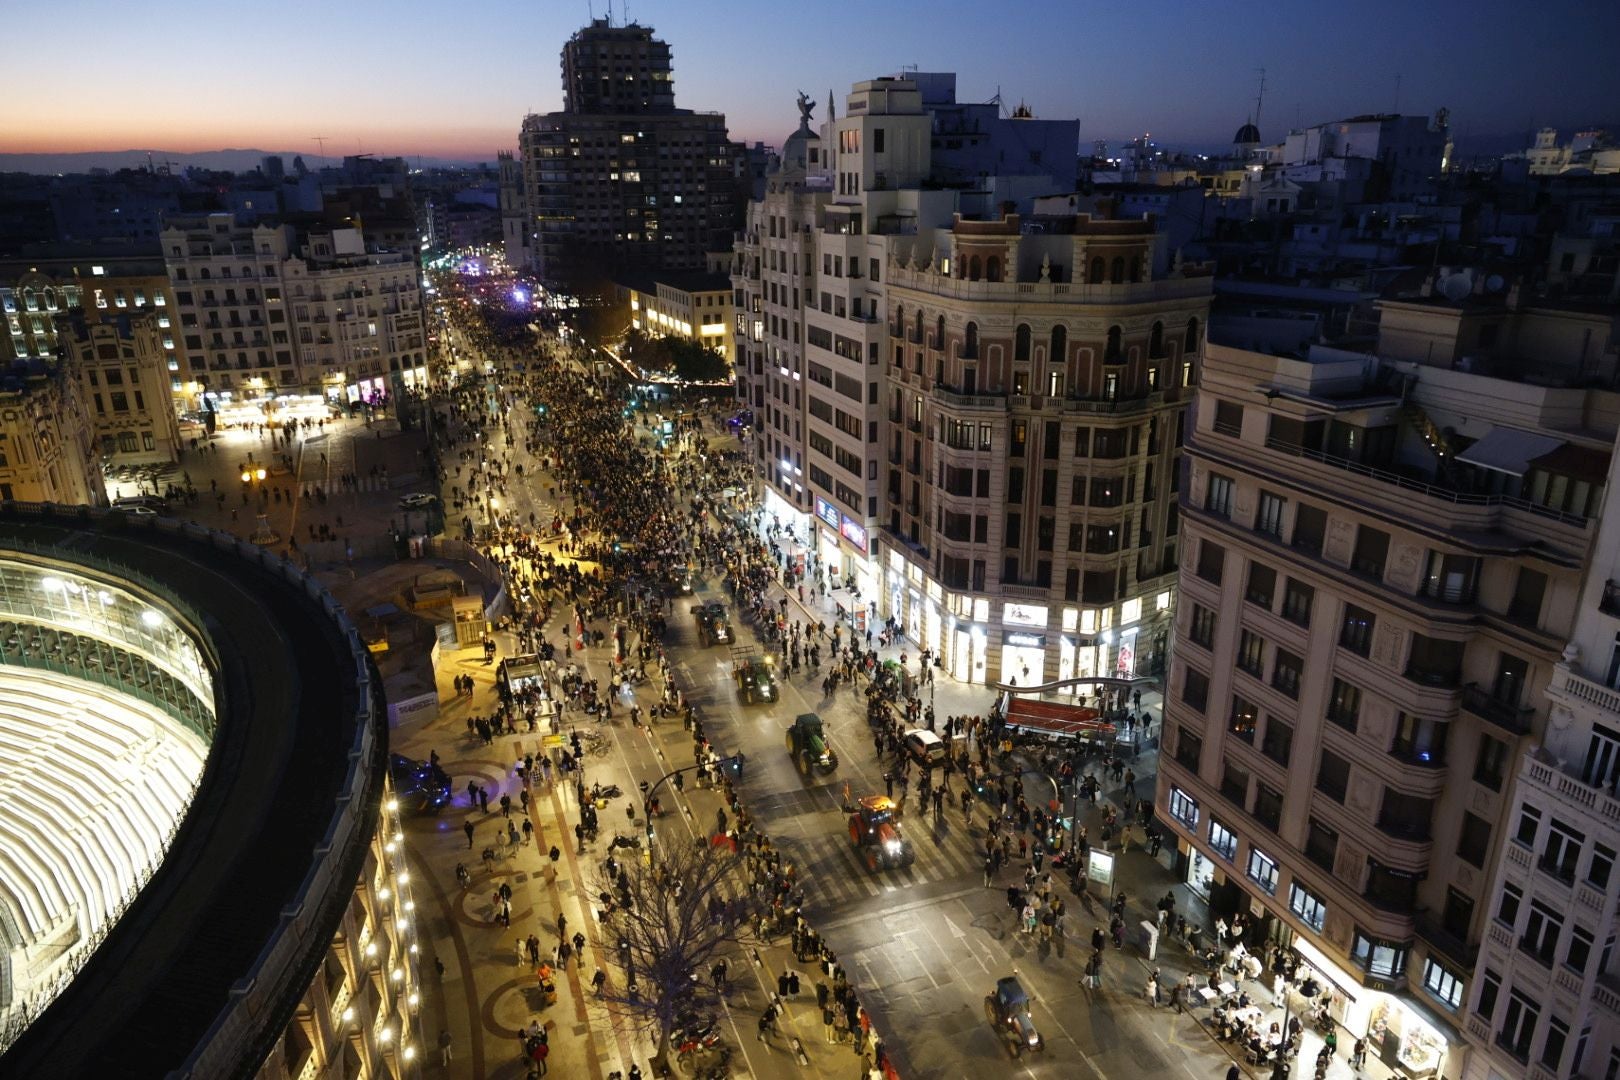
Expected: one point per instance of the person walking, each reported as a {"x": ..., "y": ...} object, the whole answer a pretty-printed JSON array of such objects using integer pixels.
[
  {"x": 467, "y": 827},
  {"x": 444, "y": 1046}
]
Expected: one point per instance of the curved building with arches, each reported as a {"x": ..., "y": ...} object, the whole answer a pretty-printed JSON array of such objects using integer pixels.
[{"x": 199, "y": 863}]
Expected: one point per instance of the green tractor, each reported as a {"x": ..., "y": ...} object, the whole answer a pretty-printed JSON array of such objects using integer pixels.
[
  {"x": 807, "y": 745},
  {"x": 754, "y": 674}
]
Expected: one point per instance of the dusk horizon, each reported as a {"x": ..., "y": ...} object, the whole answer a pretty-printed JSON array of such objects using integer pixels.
[{"x": 1183, "y": 76}]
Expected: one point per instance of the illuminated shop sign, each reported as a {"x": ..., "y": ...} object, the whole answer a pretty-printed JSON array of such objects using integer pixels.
[
  {"x": 854, "y": 532},
  {"x": 827, "y": 512}
]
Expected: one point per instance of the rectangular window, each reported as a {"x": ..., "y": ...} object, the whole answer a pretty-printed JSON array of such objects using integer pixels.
[
  {"x": 1344, "y": 705},
  {"x": 1201, "y": 627},
  {"x": 1474, "y": 839},
  {"x": 1541, "y": 932},
  {"x": 1507, "y": 905},
  {"x": 1420, "y": 740},
  {"x": 1235, "y": 785},
  {"x": 1229, "y": 418},
  {"x": 1211, "y": 562},
  {"x": 1451, "y": 579},
  {"x": 1268, "y": 519},
  {"x": 1525, "y": 607},
  {"x": 1218, "y": 499},
  {"x": 1195, "y": 689},
  {"x": 1380, "y": 959},
  {"x": 1278, "y": 743},
  {"x": 1580, "y": 948},
  {"x": 1262, "y": 585},
  {"x": 1443, "y": 983},
  {"x": 1297, "y": 600},
  {"x": 1251, "y": 656},
  {"x": 1307, "y": 905},
  {"x": 1371, "y": 552},
  {"x": 1563, "y": 850},
  {"x": 1262, "y": 870},
  {"x": 1268, "y": 806},
  {"x": 1286, "y": 669},
  {"x": 1404, "y": 815},
  {"x": 1310, "y": 529},
  {"x": 1222, "y": 839},
  {"x": 1321, "y": 844},
  {"x": 1529, "y": 825},
  {"x": 1490, "y": 985},
  {"x": 1490, "y": 765},
  {"x": 1333, "y": 776},
  {"x": 1601, "y": 868},
  {"x": 1189, "y": 750},
  {"x": 1518, "y": 1026},
  {"x": 1552, "y": 1048},
  {"x": 1244, "y": 716},
  {"x": 1183, "y": 807},
  {"x": 1355, "y": 633}
]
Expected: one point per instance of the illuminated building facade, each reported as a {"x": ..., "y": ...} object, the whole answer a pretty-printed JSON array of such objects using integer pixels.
[
  {"x": 1381, "y": 560},
  {"x": 268, "y": 309},
  {"x": 621, "y": 179},
  {"x": 124, "y": 386},
  {"x": 223, "y": 890},
  {"x": 684, "y": 304}
]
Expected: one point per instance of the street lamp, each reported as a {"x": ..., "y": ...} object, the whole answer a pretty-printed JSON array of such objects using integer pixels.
[
  {"x": 250, "y": 475},
  {"x": 652, "y": 792}
]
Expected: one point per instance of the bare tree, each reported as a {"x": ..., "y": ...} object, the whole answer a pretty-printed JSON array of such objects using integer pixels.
[{"x": 671, "y": 921}]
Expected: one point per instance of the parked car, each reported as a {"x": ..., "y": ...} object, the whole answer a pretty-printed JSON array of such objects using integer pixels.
[
  {"x": 417, "y": 500},
  {"x": 925, "y": 748}
]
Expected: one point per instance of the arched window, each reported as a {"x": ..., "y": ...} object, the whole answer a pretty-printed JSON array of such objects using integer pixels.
[
  {"x": 1021, "y": 344},
  {"x": 1136, "y": 268},
  {"x": 1116, "y": 272},
  {"x": 973, "y": 268},
  {"x": 919, "y": 326},
  {"x": 1097, "y": 271},
  {"x": 899, "y": 319},
  {"x": 970, "y": 342},
  {"x": 939, "y": 333},
  {"x": 1115, "y": 352},
  {"x": 1156, "y": 342},
  {"x": 1192, "y": 336},
  {"x": 1060, "y": 346},
  {"x": 992, "y": 269}
]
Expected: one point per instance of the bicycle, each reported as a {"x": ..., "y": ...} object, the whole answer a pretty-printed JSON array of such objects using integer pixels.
[{"x": 596, "y": 744}]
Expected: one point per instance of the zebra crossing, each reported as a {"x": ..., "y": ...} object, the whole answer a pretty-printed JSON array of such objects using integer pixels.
[
  {"x": 363, "y": 483},
  {"x": 834, "y": 873}
]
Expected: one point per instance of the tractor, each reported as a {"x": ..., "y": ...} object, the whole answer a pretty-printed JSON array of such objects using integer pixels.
[
  {"x": 755, "y": 676},
  {"x": 714, "y": 628},
  {"x": 807, "y": 745},
  {"x": 874, "y": 831}
]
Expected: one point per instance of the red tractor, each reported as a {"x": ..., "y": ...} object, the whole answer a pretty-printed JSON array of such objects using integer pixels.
[{"x": 874, "y": 831}]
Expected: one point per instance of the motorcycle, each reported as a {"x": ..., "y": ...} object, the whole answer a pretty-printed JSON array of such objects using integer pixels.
[
  {"x": 601, "y": 792},
  {"x": 622, "y": 841}
]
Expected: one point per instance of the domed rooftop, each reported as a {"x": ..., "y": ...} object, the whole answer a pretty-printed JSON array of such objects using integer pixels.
[{"x": 1246, "y": 135}]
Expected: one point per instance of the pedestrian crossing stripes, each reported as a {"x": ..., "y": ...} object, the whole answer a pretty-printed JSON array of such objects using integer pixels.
[
  {"x": 364, "y": 483},
  {"x": 834, "y": 873}
]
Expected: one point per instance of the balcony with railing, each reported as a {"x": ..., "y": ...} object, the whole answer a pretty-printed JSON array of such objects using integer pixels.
[
  {"x": 1484, "y": 506},
  {"x": 1510, "y": 717},
  {"x": 1454, "y": 946}
]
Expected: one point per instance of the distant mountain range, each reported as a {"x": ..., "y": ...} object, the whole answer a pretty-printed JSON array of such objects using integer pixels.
[{"x": 223, "y": 160}]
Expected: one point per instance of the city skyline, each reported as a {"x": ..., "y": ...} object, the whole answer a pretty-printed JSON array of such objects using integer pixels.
[{"x": 1186, "y": 77}]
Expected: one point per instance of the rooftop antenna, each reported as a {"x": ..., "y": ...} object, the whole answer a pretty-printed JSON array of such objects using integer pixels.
[
  {"x": 1260, "y": 98},
  {"x": 320, "y": 141},
  {"x": 1397, "y": 109}
]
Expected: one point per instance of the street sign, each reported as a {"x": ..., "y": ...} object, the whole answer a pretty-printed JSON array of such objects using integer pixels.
[{"x": 552, "y": 742}]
